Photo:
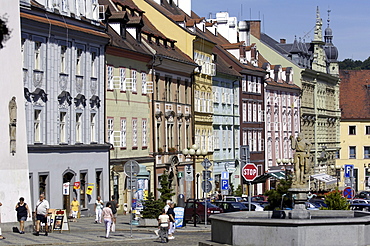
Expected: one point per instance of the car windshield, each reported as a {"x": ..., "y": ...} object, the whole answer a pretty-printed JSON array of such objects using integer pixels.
[
  {"x": 238, "y": 205},
  {"x": 209, "y": 205}
]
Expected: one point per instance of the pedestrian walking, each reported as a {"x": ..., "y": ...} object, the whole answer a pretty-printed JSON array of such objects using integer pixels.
[
  {"x": 22, "y": 211},
  {"x": 167, "y": 206},
  {"x": 1, "y": 235},
  {"x": 163, "y": 224},
  {"x": 171, "y": 215},
  {"x": 108, "y": 218},
  {"x": 99, "y": 205},
  {"x": 114, "y": 207},
  {"x": 75, "y": 208},
  {"x": 42, "y": 211}
]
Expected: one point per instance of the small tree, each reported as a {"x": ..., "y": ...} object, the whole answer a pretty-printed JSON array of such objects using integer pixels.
[
  {"x": 165, "y": 190},
  {"x": 152, "y": 207},
  {"x": 335, "y": 201},
  {"x": 276, "y": 196},
  {"x": 232, "y": 189},
  {"x": 239, "y": 191}
]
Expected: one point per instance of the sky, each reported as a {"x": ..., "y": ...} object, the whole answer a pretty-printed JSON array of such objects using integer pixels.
[{"x": 349, "y": 20}]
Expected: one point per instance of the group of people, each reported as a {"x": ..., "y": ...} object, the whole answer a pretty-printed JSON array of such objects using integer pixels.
[
  {"x": 166, "y": 223},
  {"x": 108, "y": 213}
]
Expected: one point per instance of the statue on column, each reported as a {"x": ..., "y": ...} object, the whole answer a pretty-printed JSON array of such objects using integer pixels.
[
  {"x": 12, "y": 124},
  {"x": 301, "y": 157}
]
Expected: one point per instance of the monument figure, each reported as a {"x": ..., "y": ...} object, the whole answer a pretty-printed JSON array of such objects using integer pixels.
[
  {"x": 12, "y": 124},
  {"x": 301, "y": 157}
]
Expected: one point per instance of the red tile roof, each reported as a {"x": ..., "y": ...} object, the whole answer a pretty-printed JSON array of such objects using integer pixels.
[{"x": 354, "y": 98}]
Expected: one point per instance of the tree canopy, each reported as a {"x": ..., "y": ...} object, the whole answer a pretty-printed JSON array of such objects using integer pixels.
[{"x": 349, "y": 64}]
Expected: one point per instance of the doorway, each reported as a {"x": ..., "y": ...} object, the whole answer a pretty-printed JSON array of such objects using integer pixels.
[{"x": 67, "y": 178}]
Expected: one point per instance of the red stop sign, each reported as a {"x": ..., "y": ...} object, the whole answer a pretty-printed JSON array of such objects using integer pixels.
[{"x": 249, "y": 172}]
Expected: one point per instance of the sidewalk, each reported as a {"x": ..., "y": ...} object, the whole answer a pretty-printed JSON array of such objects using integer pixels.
[{"x": 85, "y": 231}]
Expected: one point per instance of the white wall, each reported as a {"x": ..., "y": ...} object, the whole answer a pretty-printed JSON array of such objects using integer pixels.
[{"x": 14, "y": 181}]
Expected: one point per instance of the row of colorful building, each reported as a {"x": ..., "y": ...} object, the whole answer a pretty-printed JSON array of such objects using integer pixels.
[{"x": 110, "y": 81}]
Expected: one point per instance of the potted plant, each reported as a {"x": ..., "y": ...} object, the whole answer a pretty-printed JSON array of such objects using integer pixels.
[
  {"x": 152, "y": 209},
  {"x": 160, "y": 150},
  {"x": 172, "y": 150}
]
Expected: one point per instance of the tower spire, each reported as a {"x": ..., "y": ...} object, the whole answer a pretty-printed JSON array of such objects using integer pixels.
[{"x": 318, "y": 27}]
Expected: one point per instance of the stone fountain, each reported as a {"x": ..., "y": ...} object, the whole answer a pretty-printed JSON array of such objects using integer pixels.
[{"x": 301, "y": 227}]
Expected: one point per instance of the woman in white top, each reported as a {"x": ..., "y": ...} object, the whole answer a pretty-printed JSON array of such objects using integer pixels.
[
  {"x": 163, "y": 225},
  {"x": 99, "y": 205},
  {"x": 108, "y": 218}
]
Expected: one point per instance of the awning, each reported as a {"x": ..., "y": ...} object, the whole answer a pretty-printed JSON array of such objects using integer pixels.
[
  {"x": 261, "y": 179},
  {"x": 277, "y": 175},
  {"x": 325, "y": 178}
]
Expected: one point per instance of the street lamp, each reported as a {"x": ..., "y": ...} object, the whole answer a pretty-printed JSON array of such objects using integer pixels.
[{"x": 194, "y": 152}]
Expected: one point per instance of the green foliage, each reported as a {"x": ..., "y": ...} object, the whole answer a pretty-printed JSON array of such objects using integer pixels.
[
  {"x": 232, "y": 192},
  {"x": 165, "y": 190},
  {"x": 153, "y": 208},
  {"x": 335, "y": 201},
  {"x": 275, "y": 195},
  {"x": 349, "y": 64},
  {"x": 239, "y": 191}
]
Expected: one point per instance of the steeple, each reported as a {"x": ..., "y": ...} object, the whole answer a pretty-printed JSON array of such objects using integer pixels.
[
  {"x": 318, "y": 27},
  {"x": 330, "y": 50}
]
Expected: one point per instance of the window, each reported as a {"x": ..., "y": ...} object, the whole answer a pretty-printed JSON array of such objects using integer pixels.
[
  {"x": 83, "y": 179},
  {"x": 122, "y": 78},
  {"x": 93, "y": 64},
  {"x": 244, "y": 84},
  {"x": 123, "y": 132},
  {"x": 78, "y": 127},
  {"x": 37, "y": 126},
  {"x": 143, "y": 83},
  {"x": 110, "y": 77},
  {"x": 244, "y": 112},
  {"x": 144, "y": 133},
  {"x": 38, "y": 55},
  {"x": 352, "y": 152},
  {"x": 170, "y": 135},
  {"x": 63, "y": 58},
  {"x": 43, "y": 183},
  {"x": 352, "y": 130},
  {"x": 134, "y": 81},
  {"x": 367, "y": 130},
  {"x": 134, "y": 132},
  {"x": 79, "y": 62},
  {"x": 110, "y": 130},
  {"x": 62, "y": 127},
  {"x": 92, "y": 128},
  {"x": 366, "y": 152}
]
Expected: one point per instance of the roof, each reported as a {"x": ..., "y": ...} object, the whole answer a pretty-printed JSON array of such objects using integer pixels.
[{"x": 354, "y": 98}]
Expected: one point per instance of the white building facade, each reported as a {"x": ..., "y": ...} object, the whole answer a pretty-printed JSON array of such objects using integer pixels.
[{"x": 63, "y": 75}]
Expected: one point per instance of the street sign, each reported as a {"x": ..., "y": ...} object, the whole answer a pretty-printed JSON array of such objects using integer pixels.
[
  {"x": 206, "y": 163},
  {"x": 231, "y": 169},
  {"x": 347, "y": 170},
  {"x": 189, "y": 176},
  {"x": 224, "y": 184},
  {"x": 349, "y": 193},
  {"x": 207, "y": 175},
  {"x": 131, "y": 167},
  {"x": 132, "y": 182},
  {"x": 249, "y": 172},
  {"x": 206, "y": 186},
  {"x": 225, "y": 175}
]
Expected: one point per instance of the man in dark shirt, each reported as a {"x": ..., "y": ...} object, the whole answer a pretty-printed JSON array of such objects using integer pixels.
[
  {"x": 114, "y": 207},
  {"x": 171, "y": 214}
]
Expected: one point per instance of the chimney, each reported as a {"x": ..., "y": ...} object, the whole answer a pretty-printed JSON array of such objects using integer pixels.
[
  {"x": 255, "y": 27},
  {"x": 283, "y": 41}
]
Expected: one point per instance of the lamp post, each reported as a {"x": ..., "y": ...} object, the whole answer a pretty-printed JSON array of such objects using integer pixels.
[{"x": 194, "y": 152}]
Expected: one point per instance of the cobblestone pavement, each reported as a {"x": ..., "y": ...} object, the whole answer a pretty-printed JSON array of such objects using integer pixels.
[{"x": 85, "y": 232}]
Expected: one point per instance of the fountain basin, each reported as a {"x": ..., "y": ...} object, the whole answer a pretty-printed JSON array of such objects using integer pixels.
[{"x": 325, "y": 227}]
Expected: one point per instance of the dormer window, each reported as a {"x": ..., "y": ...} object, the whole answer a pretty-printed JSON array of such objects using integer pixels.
[{"x": 123, "y": 30}]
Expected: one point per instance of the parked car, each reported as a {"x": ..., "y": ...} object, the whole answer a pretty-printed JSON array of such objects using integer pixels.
[
  {"x": 318, "y": 202},
  {"x": 254, "y": 206},
  {"x": 363, "y": 194},
  {"x": 199, "y": 215},
  {"x": 360, "y": 201},
  {"x": 311, "y": 206},
  {"x": 360, "y": 207},
  {"x": 231, "y": 206},
  {"x": 232, "y": 199}
]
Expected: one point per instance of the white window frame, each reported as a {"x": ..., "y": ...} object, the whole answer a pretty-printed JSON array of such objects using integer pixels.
[
  {"x": 93, "y": 127},
  {"x": 110, "y": 125},
  {"x": 110, "y": 77},
  {"x": 78, "y": 128},
  {"x": 62, "y": 127},
  {"x": 134, "y": 132},
  {"x": 123, "y": 125},
  {"x": 37, "y": 125},
  {"x": 144, "y": 133}
]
